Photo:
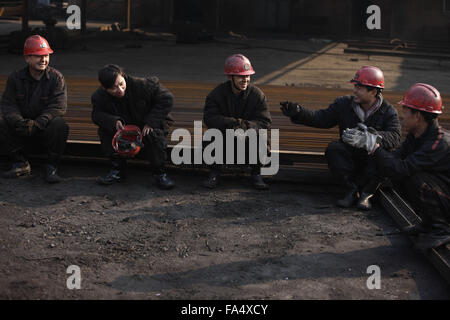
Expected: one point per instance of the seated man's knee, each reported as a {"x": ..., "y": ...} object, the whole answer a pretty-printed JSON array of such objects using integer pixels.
[
  {"x": 413, "y": 185},
  {"x": 6, "y": 132},
  {"x": 105, "y": 135},
  {"x": 3, "y": 124},
  {"x": 335, "y": 148},
  {"x": 159, "y": 133},
  {"x": 59, "y": 124},
  {"x": 416, "y": 179},
  {"x": 155, "y": 136}
]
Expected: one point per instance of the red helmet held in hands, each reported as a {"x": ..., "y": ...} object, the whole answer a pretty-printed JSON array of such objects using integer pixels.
[
  {"x": 238, "y": 65},
  {"x": 369, "y": 76},
  {"x": 36, "y": 45},
  {"x": 423, "y": 97},
  {"x": 128, "y": 141}
]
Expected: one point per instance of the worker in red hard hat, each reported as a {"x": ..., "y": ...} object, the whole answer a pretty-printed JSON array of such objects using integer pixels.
[
  {"x": 32, "y": 109},
  {"x": 420, "y": 168},
  {"x": 236, "y": 104},
  {"x": 366, "y": 113}
]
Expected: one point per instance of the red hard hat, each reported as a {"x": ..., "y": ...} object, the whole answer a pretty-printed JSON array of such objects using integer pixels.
[
  {"x": 128, "y": 141},
  {"x": 369, "y": 76},
  {"x": 238, "y": 65},
  {"x": 423, "y": 97},
  {"x": 36, "y": 45}
]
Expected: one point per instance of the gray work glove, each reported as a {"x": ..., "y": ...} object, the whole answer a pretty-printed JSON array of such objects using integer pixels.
[
  {"x": 361, "y": 137},
  {"x": 290, "y": 109}
]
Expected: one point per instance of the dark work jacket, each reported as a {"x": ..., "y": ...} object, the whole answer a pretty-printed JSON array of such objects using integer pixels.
[
  {"x": 430, "y": 153},
  {"x": 223, "y": 108},
  {"x": 146, "y": 102},
  {"x": 27, "y": 98},
  {"x": 340, "y": 113}
]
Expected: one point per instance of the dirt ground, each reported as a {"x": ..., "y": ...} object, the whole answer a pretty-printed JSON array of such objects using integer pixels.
[{"x": 134, "y": 241}]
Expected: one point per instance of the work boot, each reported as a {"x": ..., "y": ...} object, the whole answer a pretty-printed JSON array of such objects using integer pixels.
[
  {"x": 258, "y": 182},
  {"x": 163, "y": 181},
  {"x": 115, "y": 175},
  {"x": 364, "y": 201},
  {"x": 350, "y": 197},
  {"x": 213, "y": 179},
  {"x": 438, "y": 236},
  {"x": 117, "y": 172},
  {"x": 18, "y": 169},
  {"x": 367, "y": 192},
  {"x": 51, "y": 176},
  {"x": 415, "y": 230}
]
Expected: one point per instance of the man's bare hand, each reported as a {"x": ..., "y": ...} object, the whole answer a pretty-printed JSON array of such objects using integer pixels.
[
  {"x": 119, "y": 125},
  {"x": 147, "y": 129}
]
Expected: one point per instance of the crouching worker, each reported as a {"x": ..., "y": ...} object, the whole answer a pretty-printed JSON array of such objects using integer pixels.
[
  {"x": 33, "y": 103},
  {"x": 420, "y": 168},
  {"x": 123, "y": 100},
  {"x": 236, "y": 104},
  {"x": 349, "y": 165}
]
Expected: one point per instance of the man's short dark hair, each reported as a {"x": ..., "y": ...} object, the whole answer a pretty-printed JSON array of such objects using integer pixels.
[
  {"x": 108, "y": 74},
  {"x": 370, "y": 88},
  {"x": 427, "y": 116}
]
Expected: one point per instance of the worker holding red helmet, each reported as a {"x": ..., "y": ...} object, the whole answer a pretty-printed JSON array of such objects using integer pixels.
[
  {"x": 366, "y": 114},
  {"x": 32, "y": 109},
  {"x": 420, "y": 168},
  {"x": 132, "y": 113},
  {"x": 236, "y": 104}
]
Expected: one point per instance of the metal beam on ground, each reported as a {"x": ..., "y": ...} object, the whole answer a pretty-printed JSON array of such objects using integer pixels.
[{"x": 405, "y": 216}]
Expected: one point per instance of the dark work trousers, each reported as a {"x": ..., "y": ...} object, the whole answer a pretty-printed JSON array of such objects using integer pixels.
[
  {"x": 53, "y": 137},
  {"x": 155, "y": 148},
  {"x": 347, "y": 163},
  {"x": 428, "y": 195},
  {"x": 255, "y": 167}
]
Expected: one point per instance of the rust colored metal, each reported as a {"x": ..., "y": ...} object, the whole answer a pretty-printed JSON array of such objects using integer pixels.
[{"x": 189, "y": 102}]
